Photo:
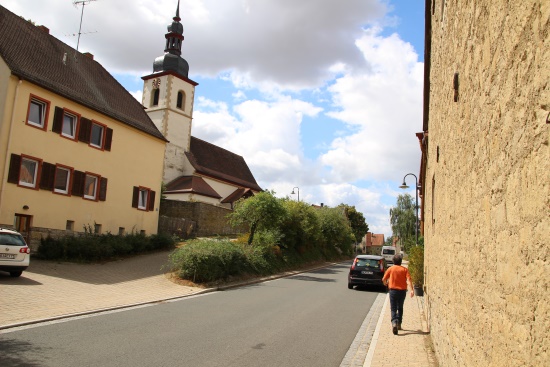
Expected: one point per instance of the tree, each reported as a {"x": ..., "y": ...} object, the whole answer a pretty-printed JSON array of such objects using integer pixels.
[
  {"x": 261, "y": 211},
  {"x": 335, "y": 229},
  {"x": 357, "y": 221},
  {"x": 403, "y": 221},
  {"x": 301, "y": 229}
]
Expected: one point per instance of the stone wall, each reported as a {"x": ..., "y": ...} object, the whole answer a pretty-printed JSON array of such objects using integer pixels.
[
  {"x": 486, "y": 190},
  {"x": 210, "y": 220}
]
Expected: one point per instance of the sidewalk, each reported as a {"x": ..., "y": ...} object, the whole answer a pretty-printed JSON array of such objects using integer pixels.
[{"x": 410, "y": 348}]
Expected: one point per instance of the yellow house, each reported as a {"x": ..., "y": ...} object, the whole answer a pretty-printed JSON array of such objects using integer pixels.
[{"x": 77, "y": 151}]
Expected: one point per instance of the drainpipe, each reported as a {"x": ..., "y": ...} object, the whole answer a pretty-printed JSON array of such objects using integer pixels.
[{"x": 8, "y": 145}]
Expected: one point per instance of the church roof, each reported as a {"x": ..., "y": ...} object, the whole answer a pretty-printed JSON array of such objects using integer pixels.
[
  {"x": 33, "y": 54},
  {"x": 211, "y": 160},
  {"x": 191, "y": 185}
]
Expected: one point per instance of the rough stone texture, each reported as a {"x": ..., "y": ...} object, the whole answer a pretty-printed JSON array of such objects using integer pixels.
[
  {"x": 210, "y": 219},
  {"x": 487, "y": 183}
]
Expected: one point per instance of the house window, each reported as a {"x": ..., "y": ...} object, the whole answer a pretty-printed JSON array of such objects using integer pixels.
[
  {"x": 142, "y": 232},
  {"x": 181, "y": 100},
  {"x": 121, "y": 231},
  {"x": 143, "y": 198},
  {"x": 97, "y": 228},
  {"x": 28, "y": 173},
  {"x": 70, "y": 225},
  {"x": 96, "y": 138},
  {"x": 62, "y": 180},
  {"x": 69, "y": 125},
  {"x": 38, "y": 112},
  {"x": 90, "y": 186}
]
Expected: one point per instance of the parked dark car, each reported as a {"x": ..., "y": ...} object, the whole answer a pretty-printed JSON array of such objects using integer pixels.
[{"x": 367, "y": 270}]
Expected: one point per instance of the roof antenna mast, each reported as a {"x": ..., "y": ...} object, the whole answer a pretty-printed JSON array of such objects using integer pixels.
[{"x": 76, "y": 3}]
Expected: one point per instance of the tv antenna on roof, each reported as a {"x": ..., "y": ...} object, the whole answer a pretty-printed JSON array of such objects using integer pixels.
[{"x": 76, "y": 3}]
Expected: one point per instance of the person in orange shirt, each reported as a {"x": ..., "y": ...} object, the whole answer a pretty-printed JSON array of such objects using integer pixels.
[{"x": 396, "y": 278}]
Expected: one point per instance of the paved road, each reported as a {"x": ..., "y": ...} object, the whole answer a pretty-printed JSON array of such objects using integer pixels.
[{"x": 309, "y": 319}]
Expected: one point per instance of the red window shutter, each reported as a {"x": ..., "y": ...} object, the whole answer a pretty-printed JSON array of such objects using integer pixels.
[
  {"x": 57, "y": 120},
  {"x": 85, "y": 130},
  {"x": 47, "y": 176},
  {"x": 102, "y": 189},
  {"x": 151, "y": 204},
  {"x": 78, "y": 183},
  {"x": 15, "y": 166},
  {"x": 108, "y": 139},
  {"x": 135, "y": 197}
]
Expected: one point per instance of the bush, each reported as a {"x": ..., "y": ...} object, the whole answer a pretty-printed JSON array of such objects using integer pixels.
[
  {"x": 94, "y": 248},
  {"x": 416, "y": 265},
  {"x": 208, "y": 260}
]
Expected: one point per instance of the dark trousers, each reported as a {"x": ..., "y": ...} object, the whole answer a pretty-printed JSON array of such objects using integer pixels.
[{"x": 397, "y": 299}]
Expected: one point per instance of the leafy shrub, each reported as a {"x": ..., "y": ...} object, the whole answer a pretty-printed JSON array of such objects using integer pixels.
[
  {"x": 92, "y": 248},
  {"x": 416, "y": 265},
  {"x": 208, "y": 260}
]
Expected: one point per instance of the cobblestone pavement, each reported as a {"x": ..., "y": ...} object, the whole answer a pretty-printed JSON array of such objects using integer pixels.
[{"x": 49, "y": 290}]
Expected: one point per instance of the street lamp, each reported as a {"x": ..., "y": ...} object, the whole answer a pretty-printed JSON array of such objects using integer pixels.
[
  {"x": 292, "y": 193},
  {"x": 404, "y": 186}
]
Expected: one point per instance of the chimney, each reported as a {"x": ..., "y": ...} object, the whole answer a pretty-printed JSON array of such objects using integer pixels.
[
  {"x": 44, "y": 29},
  {"x": 87, "y": 54}
]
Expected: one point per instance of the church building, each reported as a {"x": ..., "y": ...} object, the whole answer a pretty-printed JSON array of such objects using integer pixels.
[{"x": 194, "y": 170}]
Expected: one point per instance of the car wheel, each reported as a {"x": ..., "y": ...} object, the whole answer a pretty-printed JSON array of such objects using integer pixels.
[
  {"x": 350, "y": 286},
  {"x": 15, "y": 274}
]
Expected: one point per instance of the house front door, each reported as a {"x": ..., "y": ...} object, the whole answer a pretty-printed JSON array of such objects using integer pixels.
[{"x": 23, "y": 226}]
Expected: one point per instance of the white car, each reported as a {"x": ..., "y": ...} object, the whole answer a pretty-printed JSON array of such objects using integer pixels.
[{"x": 15, "y": 255}]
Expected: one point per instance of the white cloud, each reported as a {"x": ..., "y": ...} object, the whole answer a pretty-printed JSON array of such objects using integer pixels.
[{"x": 384, "y": 105}]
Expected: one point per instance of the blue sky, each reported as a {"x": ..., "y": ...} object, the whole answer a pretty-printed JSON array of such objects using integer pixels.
[{"x": 323, "y": 95}]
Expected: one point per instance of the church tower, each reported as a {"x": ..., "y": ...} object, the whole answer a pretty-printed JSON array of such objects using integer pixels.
[{"x": 168, "y": 97}]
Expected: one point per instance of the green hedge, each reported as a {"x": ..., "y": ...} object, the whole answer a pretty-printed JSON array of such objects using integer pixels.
[
  {"x": 211, "y": 260},
  {"x": 93, "y": 248}
]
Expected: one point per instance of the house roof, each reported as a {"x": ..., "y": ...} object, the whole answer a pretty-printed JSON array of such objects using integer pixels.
[
  {"x": 215, "y": 162},
  {"x": 191, "y": 185},
  {"x": 33, "y": 54},
  {"x": 378, "y": 239}
]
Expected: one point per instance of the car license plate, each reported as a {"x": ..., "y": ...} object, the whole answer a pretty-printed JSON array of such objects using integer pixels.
[
  {"x": 366, "y": 272},
  {"x": 8, "y": 256}
]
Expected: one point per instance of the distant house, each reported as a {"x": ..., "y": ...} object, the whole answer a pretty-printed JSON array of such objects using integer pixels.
[
  {"x": 77, "y": 151},
  {"x": 194, "y": 170},
  {"x": 373, "y": 243}
]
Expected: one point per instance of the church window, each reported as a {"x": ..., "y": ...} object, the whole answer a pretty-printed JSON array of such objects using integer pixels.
[
  {"x": 181, "y": 100},
  {"x": 155, "y": 97}
]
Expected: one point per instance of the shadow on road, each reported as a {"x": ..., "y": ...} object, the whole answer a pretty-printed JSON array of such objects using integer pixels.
[{"x": 16, "y": 353}]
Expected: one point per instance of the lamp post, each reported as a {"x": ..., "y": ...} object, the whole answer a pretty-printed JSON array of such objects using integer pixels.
[
  {"x": 404, "y": 186},
  {"x": 292, "y": 193}
]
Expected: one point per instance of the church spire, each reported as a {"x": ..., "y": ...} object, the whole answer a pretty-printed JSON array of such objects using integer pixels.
[
  {"x": 172, "y": 60},
  {"x": 174, "y": 37}
]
